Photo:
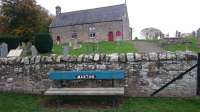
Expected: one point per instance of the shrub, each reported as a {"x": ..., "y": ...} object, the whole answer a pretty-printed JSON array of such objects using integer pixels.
[
  {"x": 43, "y": 42},
  {"x": 12, "y": 41}
]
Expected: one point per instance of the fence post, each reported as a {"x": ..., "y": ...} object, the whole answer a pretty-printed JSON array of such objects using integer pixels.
[{"x": 198, "y": 75}]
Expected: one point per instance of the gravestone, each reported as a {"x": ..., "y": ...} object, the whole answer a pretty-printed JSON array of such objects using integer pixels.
[
  {"x": 198, "y": 43},
  {"x": 70, "y": 43},
  {"x": 15, "y": 53},
  {"x": 3, "y": 50},
  {"x": 26, "y": 48},
  {"x": 76, "y": 44},
  {"x": 198, "y": 33},
  {"x": 65, "y": 50},
  {"x": 34, "y": 51}
]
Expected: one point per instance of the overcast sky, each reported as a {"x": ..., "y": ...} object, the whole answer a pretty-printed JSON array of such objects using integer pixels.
[{"x": 166, "y": 15}]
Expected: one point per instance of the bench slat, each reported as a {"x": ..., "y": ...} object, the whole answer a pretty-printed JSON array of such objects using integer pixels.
[{"x": 85, "y": 91}]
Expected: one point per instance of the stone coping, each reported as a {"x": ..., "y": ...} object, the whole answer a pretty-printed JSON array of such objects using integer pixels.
[{"x": 91, "y": 58}]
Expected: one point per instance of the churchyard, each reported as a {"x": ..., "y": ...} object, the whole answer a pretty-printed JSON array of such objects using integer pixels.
[
  {"x": 101, "y": 47},
  {"x": 184, "y": 44}
]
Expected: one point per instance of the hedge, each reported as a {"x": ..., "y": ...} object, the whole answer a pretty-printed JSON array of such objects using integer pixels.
[
  {"x": 43, "y": 42},
  {"x": 12, "y": 41}
]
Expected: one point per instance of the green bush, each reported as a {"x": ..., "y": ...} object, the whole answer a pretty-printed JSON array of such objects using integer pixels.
[
  {"x": 43, "y": 42},
  {"x": 12, "y": 41}
]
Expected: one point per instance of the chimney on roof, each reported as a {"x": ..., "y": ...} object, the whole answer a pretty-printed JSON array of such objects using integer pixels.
[{"x": 58, "y": 10}]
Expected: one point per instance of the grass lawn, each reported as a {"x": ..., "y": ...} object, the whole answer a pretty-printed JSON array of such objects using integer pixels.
[
  {"x": 102, "y": 47},
  {"x": 28, "y": 103},
  {"x": 182, "y": 47}
]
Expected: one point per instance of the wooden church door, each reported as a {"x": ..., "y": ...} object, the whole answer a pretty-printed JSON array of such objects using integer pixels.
[{"x": 110, "y": 36}]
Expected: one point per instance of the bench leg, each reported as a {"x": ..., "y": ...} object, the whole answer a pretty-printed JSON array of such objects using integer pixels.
[
  {"x": 59, "y": 100},
  {"x": 58, "y": 84},
  {"x": 114, "y": 101}
]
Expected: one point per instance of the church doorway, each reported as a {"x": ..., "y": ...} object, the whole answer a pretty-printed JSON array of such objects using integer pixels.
[{"x": 110, "y": 36}]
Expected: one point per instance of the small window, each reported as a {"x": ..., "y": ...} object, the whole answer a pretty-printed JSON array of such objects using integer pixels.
[
  {"x": 74, "y": 35},
  {"x": 92, "y": 31},
  {"x": 118, "y": 33},
  {"x": 92, "y": 35},
  {"x": 92, "y": 28}
]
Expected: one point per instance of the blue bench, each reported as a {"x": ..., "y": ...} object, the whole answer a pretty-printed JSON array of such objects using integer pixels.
[
  {"x": 77, "y": 75},
  {"x": 86, "y": 75}
]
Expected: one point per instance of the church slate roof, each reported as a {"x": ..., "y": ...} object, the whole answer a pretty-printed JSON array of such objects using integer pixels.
[{"x": 103, "y": 14}]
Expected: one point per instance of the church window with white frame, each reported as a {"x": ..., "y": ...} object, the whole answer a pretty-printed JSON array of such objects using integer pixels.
[{"x": 92, "y": 31}]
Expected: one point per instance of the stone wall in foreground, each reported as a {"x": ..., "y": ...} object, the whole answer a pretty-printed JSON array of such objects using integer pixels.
[{"x": 145, "y": 72}]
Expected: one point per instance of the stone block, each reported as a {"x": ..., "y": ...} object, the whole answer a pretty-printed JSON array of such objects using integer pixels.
[
  {"x": 107, "y": 58},
  {"x": 9, "y": 80},
  {"x": 153, "y": 56},
  {"x": 171, "y": 56},
  {"x": 25, "y": 60},
  {"x": 37, "y": 59},
  {"x": 80, "y": 58},
  {"x": 122, "y": 57},
  {"x": 145, "y": 57},
  {"x": 65, "y": 58},
  {"x": 49, "y": 59},
  {"x": 72, "y": 59},
  {"x": 114, "y": 57},
  {"x": 32, "y": 61},
  {"x": 96, "y": 57},
  {"x": 130, "y": 57},
  {"x": 180, "y": 55},
  {"x": 163, "y": 56},
  {"x": 58, "y": 59},
  {"x": 101, "y": 67},
  {"x": 138, "y": 57}
]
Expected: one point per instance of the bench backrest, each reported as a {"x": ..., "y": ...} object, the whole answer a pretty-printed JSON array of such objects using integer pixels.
[{"x": 80, "y": 75}]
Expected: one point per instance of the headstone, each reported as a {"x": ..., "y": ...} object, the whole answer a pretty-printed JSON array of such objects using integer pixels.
[
  {"x": 198, "y": 42},
  {"x": 26, "y": 48},
  {"x": 198, "y": 33},
  {"x": 70, "y": 43},
  {"x": 76, "y": 44},
  {"x": 65, "y": 50},
  {"x": 3, "y": 50},
  {"x": 15, "y": 53},
  {"x": 34, "y": 51}
]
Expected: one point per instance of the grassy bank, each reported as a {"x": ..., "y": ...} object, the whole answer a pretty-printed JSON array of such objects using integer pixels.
[
  {"x": 101, "y": 47},
  {"x": 183, "y": 47},
  {"x": 29, "y": 103}
]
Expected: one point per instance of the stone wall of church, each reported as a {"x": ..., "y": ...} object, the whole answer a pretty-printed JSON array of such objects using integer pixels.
[
  {"x": 102, "y": 30},
  {"x": 145, "y": 73}
]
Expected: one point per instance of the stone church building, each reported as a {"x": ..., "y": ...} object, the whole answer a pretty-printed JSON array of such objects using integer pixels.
[{"x": 100, "y": 24}]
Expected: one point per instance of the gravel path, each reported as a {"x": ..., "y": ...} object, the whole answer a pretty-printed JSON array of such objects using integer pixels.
[{"x": 143, "y": 46}]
